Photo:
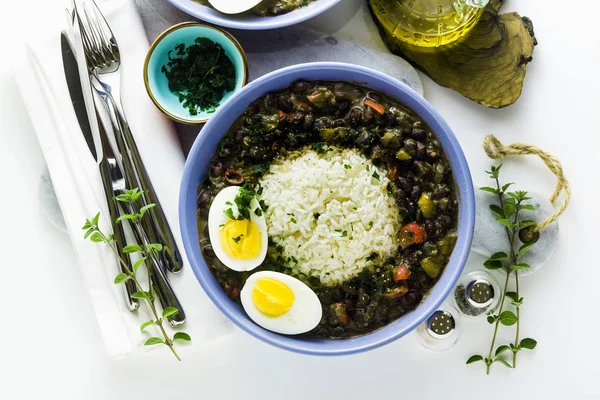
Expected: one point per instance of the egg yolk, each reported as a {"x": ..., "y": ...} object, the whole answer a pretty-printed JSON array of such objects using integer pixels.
[
  {"x": 272, "y": 297},
  {"x": 241, "y": 239}
]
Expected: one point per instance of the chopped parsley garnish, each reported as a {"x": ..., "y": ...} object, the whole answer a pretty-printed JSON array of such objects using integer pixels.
[
  {"x": 375, "y": 175},
  {"x": 255, "y": 130},
  {"x": 370, "y": 224},
  {"x": 243, "y": 200},
  {"x": 314, "y": 281},
  {"x": 367, "y": 167},
  {"x": 237, "y": 239},
  {"x": 199, "y": 74},
  {"x": 259, "y": 191},
  {"x": 229, "y": 213},
  {"x": 316, "y": 215},
  {"x": 346, "y": 166},
  {"x": 320, "y": 147},
  {"x": 294, "y": 259},
  {"x": 345, "y": 233},
  {"x": 259, "y": 170},
  {"x": 263, "y": 205},
  {"x": 293, "y": 220}
]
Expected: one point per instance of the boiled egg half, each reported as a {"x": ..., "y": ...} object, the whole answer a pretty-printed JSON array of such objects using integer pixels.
[
  {"x": 280, "y": 303},
  {"x": 239, "y": 243},
  {"x": 233, "y": 6}
]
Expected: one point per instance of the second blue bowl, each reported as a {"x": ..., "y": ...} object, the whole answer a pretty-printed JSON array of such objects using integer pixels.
[{"x": 206, "y": 143}]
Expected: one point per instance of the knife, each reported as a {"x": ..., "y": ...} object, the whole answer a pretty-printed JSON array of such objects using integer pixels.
[{"x": 74, "y": 82}]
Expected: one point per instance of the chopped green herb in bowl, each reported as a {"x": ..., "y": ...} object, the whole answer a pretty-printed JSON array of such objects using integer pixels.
[
  {"x": 199, "y": 74},
  {"x": 191, "y": 69}
]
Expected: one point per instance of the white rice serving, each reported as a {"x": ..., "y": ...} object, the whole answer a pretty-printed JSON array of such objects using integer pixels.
[{"x": 329, "y": 213}]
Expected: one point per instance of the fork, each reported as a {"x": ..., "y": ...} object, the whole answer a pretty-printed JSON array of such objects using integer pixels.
[
  {"x": 164, "y": 291},
  {"x": 104, "y": 61}
]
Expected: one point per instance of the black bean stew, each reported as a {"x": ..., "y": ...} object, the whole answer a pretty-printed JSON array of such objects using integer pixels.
[
  {"x": 349, "y": 116},
  {"x": 273, "y": 7}
]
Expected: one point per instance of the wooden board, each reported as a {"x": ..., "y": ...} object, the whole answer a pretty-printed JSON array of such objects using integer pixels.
[{"x": 487, "y": 65}]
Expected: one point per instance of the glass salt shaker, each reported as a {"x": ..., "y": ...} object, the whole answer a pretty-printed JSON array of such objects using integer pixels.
[
  {"x": 477, "y": 293},
  {"x": 441, "y": 330}
]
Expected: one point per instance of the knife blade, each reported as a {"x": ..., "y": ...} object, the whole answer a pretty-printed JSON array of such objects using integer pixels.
[
  {"x": 76, "y": 92},
  {"x": 74, "y": 83}
]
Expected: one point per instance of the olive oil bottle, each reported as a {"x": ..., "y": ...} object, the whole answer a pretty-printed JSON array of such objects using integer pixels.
[{"x": 428, "y": 23}]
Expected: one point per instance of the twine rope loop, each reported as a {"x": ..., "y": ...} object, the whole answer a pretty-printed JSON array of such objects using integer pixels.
[{"x": 496, "y": 150}]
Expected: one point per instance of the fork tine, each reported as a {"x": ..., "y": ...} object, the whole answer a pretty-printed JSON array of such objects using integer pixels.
[
  {"x": 102, "y": 32},
  {"x": 88, "y": 45},
  {"x": 94, "y": 37},
  {"x": 99, "y": 44},
  {"x": 102, "y": 28}
]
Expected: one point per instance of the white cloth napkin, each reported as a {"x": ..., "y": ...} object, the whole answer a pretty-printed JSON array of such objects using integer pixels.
[{"x": 78, "y": 186}]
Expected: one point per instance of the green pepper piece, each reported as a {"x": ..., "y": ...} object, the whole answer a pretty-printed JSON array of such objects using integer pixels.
[
  {"x": 403, "y": 155},
  {"x": 392, "y": 138},
  {"x": 447, "y": 243},
  {"x": 335, "y": 135},
  {"x": 431, "y": 266},
  {"x": 427, "y": 206}
]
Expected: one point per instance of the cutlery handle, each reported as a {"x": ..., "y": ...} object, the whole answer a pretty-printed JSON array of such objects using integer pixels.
[
  {"x": 157, "y": 215},
  {"x": 164, "y": 291},
  {"x": 119, "y": 235},
  {"x": 157, "y": 226}
]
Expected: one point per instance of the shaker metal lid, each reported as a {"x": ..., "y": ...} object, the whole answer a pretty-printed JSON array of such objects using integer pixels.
[
  {"x": 480, "y": 293},
  {"x": 441, "y": 324}
]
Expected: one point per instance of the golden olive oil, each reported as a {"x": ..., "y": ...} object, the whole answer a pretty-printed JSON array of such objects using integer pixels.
[{"x": 427, "y": 23}]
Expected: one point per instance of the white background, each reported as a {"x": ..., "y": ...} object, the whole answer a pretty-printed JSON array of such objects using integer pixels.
[{"x": 50, "y": 346}]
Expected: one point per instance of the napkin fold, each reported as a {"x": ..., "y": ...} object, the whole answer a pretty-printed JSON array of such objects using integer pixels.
[{"x": 78, "y": 186}]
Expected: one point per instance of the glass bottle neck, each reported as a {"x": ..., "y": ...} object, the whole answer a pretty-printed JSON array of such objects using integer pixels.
[{"x": 475, "y": 3}]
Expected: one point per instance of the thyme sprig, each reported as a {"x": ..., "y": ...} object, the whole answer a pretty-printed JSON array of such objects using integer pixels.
[
  {"x": 506, "y": 212},
  {"x": 95, "y": 234}
]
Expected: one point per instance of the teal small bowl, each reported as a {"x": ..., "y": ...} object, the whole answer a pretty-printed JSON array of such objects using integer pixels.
[{"x": 157, "y": 83}]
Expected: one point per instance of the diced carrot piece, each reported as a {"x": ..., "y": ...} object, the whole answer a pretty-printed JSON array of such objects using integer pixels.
[
  {"x": 375, "y": 106},
  {"x": 396, "y": 292},
  {"x": 392, "y": 171},
  {"x": 340, "y": 313}
]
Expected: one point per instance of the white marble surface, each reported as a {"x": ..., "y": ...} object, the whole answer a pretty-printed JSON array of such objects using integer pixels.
[{"x": 57, "y": 352}]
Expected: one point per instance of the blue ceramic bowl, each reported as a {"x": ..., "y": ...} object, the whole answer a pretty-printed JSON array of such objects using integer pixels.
[
  {"x": 249, "y": 21},
  {"x": 205, "y": 145},
  {"x": 157, "y": 83}
]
